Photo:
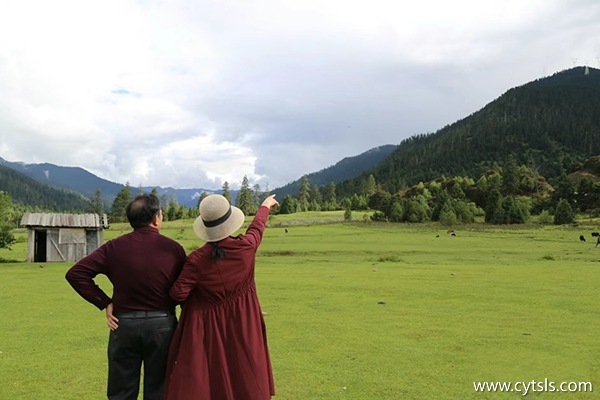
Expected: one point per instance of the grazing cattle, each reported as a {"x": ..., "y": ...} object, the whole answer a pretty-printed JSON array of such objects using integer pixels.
[
  {"x": 598, "y": 242},
  {"x": 595, "y": 234},
  {"x": 286, "y": 230},
  {"x": 582, "y": 238}
]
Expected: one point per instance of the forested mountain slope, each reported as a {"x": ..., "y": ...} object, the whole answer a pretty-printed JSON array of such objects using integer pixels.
[
  {"x": 551, "y": 124},
  {"x": 28, "y": 191}
]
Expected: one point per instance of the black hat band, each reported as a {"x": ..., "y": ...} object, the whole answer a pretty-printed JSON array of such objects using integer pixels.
[{"x": 218, "y": 221}]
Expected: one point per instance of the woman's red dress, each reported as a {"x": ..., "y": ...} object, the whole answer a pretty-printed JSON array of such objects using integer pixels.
[{"x": 219, "y": 350}]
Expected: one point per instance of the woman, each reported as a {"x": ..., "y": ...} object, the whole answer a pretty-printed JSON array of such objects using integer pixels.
[{"x": 219, "y": 350}]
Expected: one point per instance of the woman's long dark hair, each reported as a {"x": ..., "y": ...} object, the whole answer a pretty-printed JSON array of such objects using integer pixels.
[{"x": 218, "y": 252}]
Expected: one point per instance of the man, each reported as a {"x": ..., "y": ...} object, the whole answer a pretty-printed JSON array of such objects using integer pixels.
[{"x": 141, "y": 265}]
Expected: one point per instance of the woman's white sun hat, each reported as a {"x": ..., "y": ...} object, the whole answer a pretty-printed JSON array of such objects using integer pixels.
[{"x": 218, "y": 219}]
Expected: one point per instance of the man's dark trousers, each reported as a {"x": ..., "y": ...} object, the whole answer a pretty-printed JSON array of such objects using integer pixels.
[{"x": 142, "y": 337}]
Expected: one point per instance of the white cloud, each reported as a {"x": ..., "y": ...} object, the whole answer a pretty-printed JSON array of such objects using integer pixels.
[{"x": 194, "y": 93}]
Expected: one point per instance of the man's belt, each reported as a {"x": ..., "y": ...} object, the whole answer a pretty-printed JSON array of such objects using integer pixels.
[{"x": 144, "y": 314}]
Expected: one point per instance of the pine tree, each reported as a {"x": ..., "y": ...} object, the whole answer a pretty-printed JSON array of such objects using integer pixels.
[
  {"x": 466, "y": 212},
  {"x": 369, "y": 186},
  {"x": 510, "y": 177},
  {"x": 510, "y": 211},
  {"x": 316, "y": 198},
  {"x": 417, "y": 210},
  {"x": 303, "y": 194},
  {"x": 395, "y": 211},
  {"x": 441, "y": 200},
  {"x": 173, "y": 212},
  {"x": 119, "y": 206},
  {"x": 492, "y": 204},
  {"x": 358, "y": 202},
  {"x": 330, "y": 197},
  {"x": 564, "y": 189},
  {"x": 96, "y": 203},
  {"x": 257, "y": 196},
  {"x": 585, "y": 194},
  {"x": 245, "y": 198},
  {"x": 447, "y": 216},
  {"x": 564, "y": 213},
  {"x": 226, "y": 192},
  {"x": 288, "y": 205}
]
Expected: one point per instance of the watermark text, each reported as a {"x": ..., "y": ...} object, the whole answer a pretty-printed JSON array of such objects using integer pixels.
[{"x": 533, "y": 386}]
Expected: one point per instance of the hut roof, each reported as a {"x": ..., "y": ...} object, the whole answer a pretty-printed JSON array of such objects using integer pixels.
[{"x": 65, "y": 220}]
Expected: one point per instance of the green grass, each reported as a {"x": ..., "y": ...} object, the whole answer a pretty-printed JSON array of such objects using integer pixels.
[{"x": 355, "y": 311}]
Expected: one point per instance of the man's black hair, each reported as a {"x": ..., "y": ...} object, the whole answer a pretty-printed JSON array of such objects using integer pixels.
[{"x": 142, "y": 210}]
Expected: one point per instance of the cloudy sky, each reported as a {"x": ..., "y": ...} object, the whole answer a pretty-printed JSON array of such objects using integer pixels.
[{"x": 192, "y": 93}]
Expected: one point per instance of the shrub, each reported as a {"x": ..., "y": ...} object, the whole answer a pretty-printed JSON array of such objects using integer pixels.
[
  {"x": 6, "y": 237},
  {"x": 447, "y": 215},
  {"x": 545, "y": 218},
  {"x": 510, "y": 211},
  {"x": 348, "y": 215},
  {"x": 378, "y": 216},
  {"x": 563, "y": 214}
]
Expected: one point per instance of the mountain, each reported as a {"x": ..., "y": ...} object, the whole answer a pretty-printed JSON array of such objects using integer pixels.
[
  {"x": 343, "y": 170},
  {"x": 28, "y": 191},
  {"x": 73, "y": 178},
  {"x": 84, "y": 182},
  {"x": 551, "y": 124}
]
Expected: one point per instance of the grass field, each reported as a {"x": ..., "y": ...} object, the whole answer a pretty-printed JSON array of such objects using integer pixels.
[{"x": 355, "y": 311}]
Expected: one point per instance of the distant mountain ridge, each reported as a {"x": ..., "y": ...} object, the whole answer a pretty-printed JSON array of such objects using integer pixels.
[
  {"x": 79, "y": 180},
  {"x": 343, "y": 170},
  {"x": 76, "y": 179},
  {"x": 73, "y": 178}
]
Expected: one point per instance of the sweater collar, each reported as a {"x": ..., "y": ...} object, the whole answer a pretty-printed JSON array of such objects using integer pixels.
[{"x": 146, "y": 229}]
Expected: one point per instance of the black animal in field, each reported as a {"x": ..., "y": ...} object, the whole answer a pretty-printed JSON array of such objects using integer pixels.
[
  {"x": 582, "y": 238},
  {"x": 596, "y": 235}
]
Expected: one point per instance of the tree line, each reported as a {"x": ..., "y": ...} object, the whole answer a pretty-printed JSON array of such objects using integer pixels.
[
  {"x": 504, "y": 194},
  {"x": 248, "y": 200}
]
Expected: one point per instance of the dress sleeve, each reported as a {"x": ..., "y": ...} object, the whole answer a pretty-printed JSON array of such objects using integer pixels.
[
  {"x": 255, "y": 231},
  {"x": 186, "y": 282},
  {"x": 81, "y": 277}
]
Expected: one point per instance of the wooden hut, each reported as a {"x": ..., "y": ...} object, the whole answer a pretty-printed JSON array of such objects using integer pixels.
[{"x": 63, "y": 237}]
